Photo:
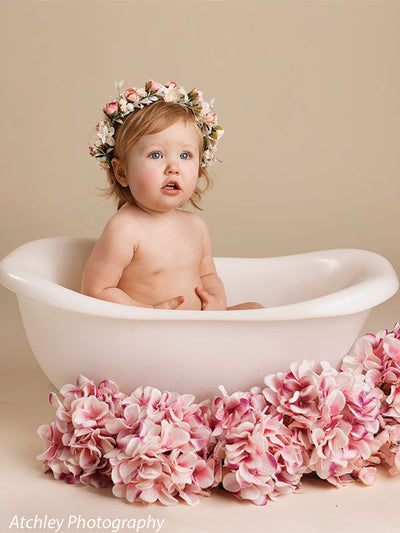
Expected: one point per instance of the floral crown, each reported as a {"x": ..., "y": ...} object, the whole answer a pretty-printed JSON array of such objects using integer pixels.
[{"x": 115, "y": 111}]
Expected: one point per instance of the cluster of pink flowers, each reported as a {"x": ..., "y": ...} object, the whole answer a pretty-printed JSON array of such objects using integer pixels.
[
  {"x": 161, "y": 446},
  {"x": 333, "y": 415},
  {"x": 254, "y": 451},
  {"x": 80, "y": 435},
  {"x": 377, "y": 359},
  {"x": 161, "y": 451}
]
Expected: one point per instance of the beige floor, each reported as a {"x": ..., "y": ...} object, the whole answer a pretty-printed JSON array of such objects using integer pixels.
[{"x": 27, "y": 492}]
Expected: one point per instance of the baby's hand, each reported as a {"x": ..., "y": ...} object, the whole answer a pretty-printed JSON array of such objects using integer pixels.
[
  {"x": 210, "y": 302},
  {"x": 174, "y": 303}
]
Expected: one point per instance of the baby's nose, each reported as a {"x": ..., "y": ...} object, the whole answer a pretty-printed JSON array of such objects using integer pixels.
[{"x": 172, "y": 167}]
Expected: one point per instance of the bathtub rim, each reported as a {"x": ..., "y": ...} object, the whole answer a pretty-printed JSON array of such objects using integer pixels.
[{"x": 379, "y": 287}]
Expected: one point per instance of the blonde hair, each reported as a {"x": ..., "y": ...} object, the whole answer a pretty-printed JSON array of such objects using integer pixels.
[{"x": 146, "y": 121}]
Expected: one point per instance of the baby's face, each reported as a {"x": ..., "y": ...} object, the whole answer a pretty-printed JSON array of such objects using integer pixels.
[{"x": 162, "y": 169}]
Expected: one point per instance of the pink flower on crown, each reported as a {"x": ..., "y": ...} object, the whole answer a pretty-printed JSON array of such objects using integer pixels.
[
  {"x": 211, "y": 118},
  {"x": 171, "y": 85},
  {"x": 199, "y": 95},
  {"x": 154, "y": 85},
  {"x": 111, "y": 108},
  {"x": 131, "y": 95}
]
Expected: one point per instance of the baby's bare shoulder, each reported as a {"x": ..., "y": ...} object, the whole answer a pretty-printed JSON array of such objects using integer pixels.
[
  {"x": 126, "y": 217},
  {"x": 123, "y": 226},
  {"x": 199, "y": 224},
  {"x": 194, "y": 219}
]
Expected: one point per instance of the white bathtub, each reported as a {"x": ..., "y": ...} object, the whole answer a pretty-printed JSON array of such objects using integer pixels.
[{"x": 317, "y": 304}]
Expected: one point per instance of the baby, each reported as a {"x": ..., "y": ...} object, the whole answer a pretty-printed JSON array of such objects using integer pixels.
[{"x": 155, "y": 144}]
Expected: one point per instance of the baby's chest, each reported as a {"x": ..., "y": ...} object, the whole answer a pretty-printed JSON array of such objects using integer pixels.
[{"x": 162, "y": 252}]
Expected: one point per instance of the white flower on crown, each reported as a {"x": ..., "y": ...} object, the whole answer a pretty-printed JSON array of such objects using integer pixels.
[
  {"x": 171, "y": 95},
  {"x": 126, "y": 107},
  {"x": 106, "y": 135},
  {"x": 101, "y": 125},
  {"x": 123, "y": 106},
  {"x": 208, "y": 155},
  {"x": 205, "y": 109}
]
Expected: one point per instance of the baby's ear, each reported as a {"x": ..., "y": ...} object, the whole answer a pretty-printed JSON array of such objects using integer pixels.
[{"x": 119, "y": 171}]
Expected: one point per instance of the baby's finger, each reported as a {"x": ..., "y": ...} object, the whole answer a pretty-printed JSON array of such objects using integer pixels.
[
  {"x": 203, "y": 294},
  {"x": 173, "y": 303}
]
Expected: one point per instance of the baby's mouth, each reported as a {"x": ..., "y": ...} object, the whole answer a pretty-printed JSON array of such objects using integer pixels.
[{"x": 171, "y": 186}]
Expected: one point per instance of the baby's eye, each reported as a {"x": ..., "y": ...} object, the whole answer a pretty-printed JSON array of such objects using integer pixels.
[
  {"x": 185, "y": 155},
  {"x": 154, "y": 155}
]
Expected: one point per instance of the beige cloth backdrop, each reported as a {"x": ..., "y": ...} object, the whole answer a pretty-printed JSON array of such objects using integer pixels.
[{"x": 308, "y": 94}]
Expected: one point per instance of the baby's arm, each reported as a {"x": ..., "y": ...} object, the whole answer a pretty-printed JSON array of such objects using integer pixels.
[
  {"x": 212, "y": 294},
  {"x": 111, "y": 255}
]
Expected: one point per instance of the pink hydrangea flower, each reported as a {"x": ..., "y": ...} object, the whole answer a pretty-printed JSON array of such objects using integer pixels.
[
  {"x": 377, "y": 357},
  {"x": 77, "y": 439},
  {"x": 334, "y": 415},
  {"x": 161, "y": 449},
  {"x": 295, "y": 395},
  {"x": 255, "y": 457}
]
